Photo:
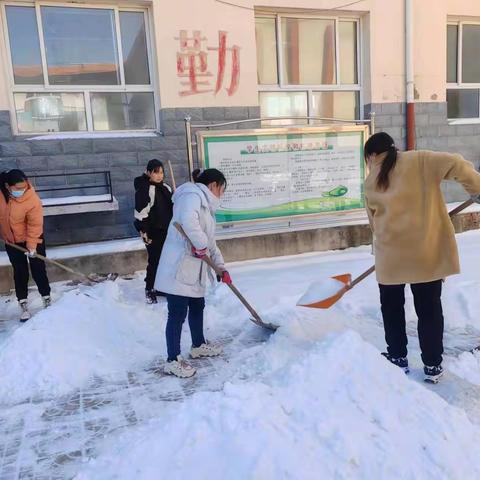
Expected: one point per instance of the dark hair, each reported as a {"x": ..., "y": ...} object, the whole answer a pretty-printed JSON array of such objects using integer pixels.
[
  {"x": 380, "y": 143},
  {"x": 12, "y": 177},
  {"x": 154, "y": 165},
  {"x": 208, "y": 176},
  {"x": 15, "y": 176}
]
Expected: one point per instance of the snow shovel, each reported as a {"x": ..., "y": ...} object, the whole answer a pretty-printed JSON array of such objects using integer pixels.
[
  {"x": 87, "y": 279},
  {"x": 255, "y": 316},
  {"x": 334, "y": 288}
]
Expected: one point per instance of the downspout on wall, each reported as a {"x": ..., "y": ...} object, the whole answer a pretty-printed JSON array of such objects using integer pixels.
[{"x": 409, "y": 75}]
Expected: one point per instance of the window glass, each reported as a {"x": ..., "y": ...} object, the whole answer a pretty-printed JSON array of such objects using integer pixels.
[
  {"x": 81, "y": 46},
  {"x": 24, "y": 45}
]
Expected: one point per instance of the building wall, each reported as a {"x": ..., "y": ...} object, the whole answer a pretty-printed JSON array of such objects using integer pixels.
[
  {"x": 383, "y": 57},
  {"x": 124, "y": 157},
  {"x": 382, "y": 22},
  {"x": 383, "y": 82},
  {"x": 209, "y": 18}
]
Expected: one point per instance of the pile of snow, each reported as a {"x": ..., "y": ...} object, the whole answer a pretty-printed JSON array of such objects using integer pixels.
[
  {"x": 467, "y": 366},
  {"x": 79, "y": 337},
  {"x": 338, "y": 411},
  {"x": 313, "y": 401},
  {"x": 103, "y": 331},
  {"x": 321, "y": 290}
]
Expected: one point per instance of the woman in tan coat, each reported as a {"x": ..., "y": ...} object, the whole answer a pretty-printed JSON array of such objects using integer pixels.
[
  {"x": 21, "y": 223},
  {"x": 414, "y": 240}
]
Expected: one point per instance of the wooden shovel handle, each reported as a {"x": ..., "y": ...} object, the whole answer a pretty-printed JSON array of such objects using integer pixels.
[
  {"x": 361, "y": 277},
  {"x": 172, "y": 176},
  {"x": 461, "y": 207},
  {"x": 219, "y": 272},
  {"x": 53, "y": 262}
]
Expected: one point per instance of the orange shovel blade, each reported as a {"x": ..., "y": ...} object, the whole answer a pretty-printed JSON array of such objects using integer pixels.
[{"x": 328, "y": 302}]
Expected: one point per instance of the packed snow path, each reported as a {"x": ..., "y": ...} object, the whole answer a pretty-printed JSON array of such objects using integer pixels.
[
  {"x": 51, "y": 438},
  {"x": 83, "y": 379}
]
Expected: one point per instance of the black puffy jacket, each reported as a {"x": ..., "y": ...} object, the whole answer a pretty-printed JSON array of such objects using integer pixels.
[{"x": 153, "y": 205}]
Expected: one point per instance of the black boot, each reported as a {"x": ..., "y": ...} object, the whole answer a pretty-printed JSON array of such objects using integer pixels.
[
  {"x": 401, "y": 362},
  {"x": 432, "y": 374}
]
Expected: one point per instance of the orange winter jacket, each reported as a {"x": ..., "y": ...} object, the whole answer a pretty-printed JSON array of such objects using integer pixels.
[{"x": 21, "y": 219}]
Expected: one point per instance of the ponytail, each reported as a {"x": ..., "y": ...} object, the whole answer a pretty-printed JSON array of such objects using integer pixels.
[
  {"x": 380, "y": 143},
  {"x": 196, "y": 174},
  {"x": 208, "y": 176}
]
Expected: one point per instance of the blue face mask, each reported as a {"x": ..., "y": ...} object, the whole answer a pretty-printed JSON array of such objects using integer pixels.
[{"x": 17, "y": 193}]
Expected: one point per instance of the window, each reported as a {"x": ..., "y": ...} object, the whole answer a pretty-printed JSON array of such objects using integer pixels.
[
  {"x": 463, "y": 71},
  {"x": 80, "y": 68},
  {"x": 307, "y": 66}
]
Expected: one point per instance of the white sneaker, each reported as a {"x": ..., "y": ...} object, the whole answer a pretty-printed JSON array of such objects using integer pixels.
[
  {"x": 205, "y": 350},
  {"x": 25, "y": 315},
  {"x": 179, "y": 368},
  {"x": 47, "y": 301}
]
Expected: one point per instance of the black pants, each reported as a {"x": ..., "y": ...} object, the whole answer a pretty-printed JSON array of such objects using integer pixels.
[
  {"x": 154, "y": 251},
  {"x": 20, "y": 262},
  {"x": 428, "y": 305}
]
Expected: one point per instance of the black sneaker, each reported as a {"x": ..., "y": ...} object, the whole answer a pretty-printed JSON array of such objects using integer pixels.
[
  {"x": 432, "y": 374},
  {"x": 150, "y": 296},
  {"x": 401, "y": 362}
]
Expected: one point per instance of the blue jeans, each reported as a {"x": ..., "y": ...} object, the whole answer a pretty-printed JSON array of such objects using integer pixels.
[{"x": 177, "y": 312}]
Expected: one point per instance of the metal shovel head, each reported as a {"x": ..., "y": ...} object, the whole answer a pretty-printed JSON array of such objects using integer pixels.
[
  {"x": 331, "y": 298},
  {"x": 268, "y": 326},
  {"x": 93, "y": 279}
]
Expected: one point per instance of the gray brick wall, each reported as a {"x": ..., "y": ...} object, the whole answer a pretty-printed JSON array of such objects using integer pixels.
[
  {"x": 390, "y": 118},
  {"x": 124, "y": 157},
  {"x": 432, "y": 133},
  {"x": 439, "y": 135}
]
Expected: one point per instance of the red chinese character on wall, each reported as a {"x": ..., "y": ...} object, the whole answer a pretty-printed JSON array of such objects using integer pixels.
[{"x": 192, "y": 64}]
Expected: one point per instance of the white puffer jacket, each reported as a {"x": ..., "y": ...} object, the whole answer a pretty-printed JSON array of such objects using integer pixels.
[{"x": 179, "y": 272}]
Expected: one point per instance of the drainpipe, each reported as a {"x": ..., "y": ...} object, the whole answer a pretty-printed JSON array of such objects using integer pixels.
[{"x": 409, "y": 74}]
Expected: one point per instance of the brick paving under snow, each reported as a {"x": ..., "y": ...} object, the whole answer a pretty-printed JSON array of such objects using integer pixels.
[{"x": 47, "y": 439}]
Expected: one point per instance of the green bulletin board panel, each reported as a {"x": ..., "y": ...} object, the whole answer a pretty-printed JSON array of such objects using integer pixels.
[{"x": 287, "y": 172}]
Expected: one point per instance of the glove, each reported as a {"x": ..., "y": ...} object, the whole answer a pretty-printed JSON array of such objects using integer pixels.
[
  {"x": 225, "y": 278},
  {"x": 31, "y": 253},
  {"x": 146, "y": 240},
  {"x": 475, "y": 198},
  {"x": 199, "y": 252}
]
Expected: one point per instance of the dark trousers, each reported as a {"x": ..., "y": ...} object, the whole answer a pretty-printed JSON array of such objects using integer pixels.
[
  {"x": 154, "y": 251},
  {"x": 20, "y": 262},
  {"x": 428, "y": 305},
  {"x": 177, "y": 312}
]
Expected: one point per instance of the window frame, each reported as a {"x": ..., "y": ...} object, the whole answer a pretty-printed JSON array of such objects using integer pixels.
[
  {"x": 86, "y": 90},
  {"x": 281, "y": 86},
  {"x": 459, "y": 85}
]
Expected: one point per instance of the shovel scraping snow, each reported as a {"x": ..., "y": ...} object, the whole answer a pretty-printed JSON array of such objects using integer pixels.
[
  {"x": 255, "y": 318},
  {"x": 325, "y": 293},
  {"x": 87, "y": 279}
]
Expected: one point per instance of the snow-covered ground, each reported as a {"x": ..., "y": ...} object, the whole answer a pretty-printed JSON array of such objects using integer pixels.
[{"x": 82, "y": 393}]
